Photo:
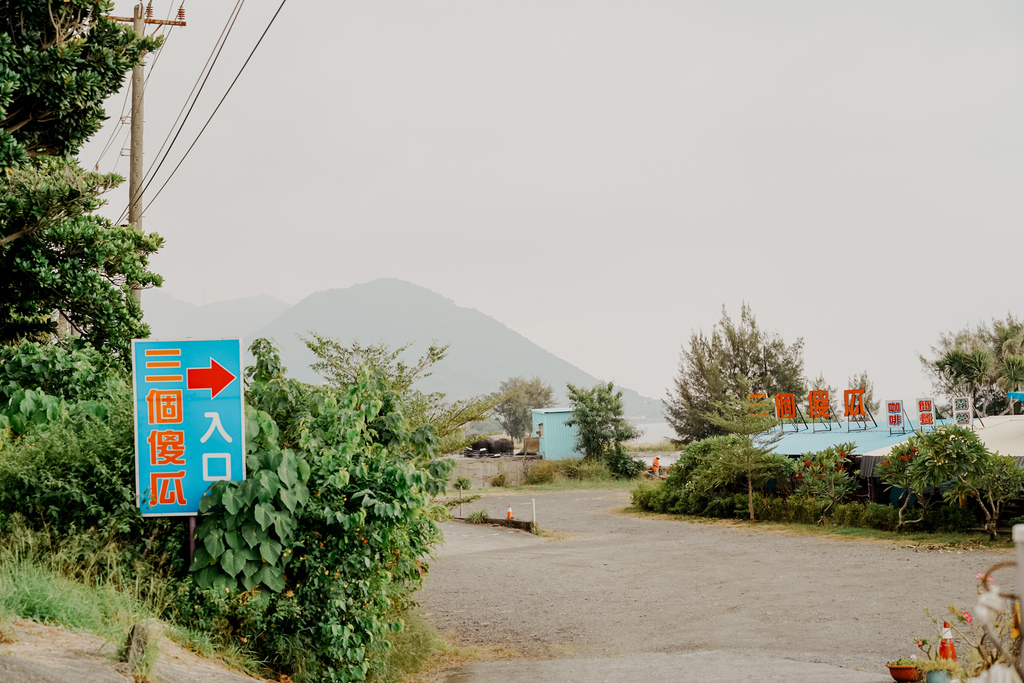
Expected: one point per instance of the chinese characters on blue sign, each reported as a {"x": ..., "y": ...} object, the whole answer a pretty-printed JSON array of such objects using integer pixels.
[{"x": 189, "y": 426}]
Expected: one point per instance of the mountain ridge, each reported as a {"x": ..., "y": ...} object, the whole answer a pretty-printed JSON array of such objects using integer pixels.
[{"x": 482, "y": 351}]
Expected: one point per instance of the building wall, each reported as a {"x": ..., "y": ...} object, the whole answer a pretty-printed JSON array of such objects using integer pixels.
[{"x": 557, "y": 439}]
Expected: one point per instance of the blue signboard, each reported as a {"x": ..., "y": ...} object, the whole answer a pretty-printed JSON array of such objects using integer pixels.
[{"x": 189, "y": 421}]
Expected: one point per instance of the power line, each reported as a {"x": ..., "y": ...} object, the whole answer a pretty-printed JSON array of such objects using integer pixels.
[
  {"x": 224, "y": 97},
  {"x": 128, "y": 91},
  {"x": 214, "y": 55},
  {"x": 207, "y": 69}
]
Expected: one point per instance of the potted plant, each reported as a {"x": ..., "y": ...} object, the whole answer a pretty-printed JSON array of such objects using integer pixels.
[
  {"x": 938, "y": 670},
  {"x": 904, "y": 670}
]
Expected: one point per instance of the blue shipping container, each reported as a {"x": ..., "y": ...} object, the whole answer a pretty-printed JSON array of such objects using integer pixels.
[{"x": 557, "y": 439}]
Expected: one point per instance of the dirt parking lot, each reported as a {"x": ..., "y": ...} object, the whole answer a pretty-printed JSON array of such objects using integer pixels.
[{"x": 617, "y": 585}]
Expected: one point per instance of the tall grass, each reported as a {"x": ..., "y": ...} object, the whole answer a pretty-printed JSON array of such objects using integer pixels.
[
  {"x": 47, "y": 581},
  {"x": 410, "y": 648},
  {"x": 574, "y": 470},
  {"x": 663, "y": 446},
  {"x": 51, "y": 581}
]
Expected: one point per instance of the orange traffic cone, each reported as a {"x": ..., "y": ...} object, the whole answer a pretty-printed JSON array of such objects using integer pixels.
[
  {"x": 510, "y": 517},
  {"x": 947, "y": 649}
]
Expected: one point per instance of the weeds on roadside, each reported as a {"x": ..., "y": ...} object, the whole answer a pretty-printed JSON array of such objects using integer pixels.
[
  {"x": 478, "y": 517},
  {"x": 44, "y": 579},
  {"x": 576, "y": 470},
  {"x": 409, "y": 649},
  {"x": 663, "y": 446}
]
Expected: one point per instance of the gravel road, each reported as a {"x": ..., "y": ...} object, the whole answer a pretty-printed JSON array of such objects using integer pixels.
[{"x": 617, "y": 585}]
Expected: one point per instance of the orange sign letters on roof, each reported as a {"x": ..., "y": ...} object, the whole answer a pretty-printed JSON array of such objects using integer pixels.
[
  {"x": 785, "y": 406},
  {"x": 817, "y": 404},
  {"x": 853, "y": 403}
]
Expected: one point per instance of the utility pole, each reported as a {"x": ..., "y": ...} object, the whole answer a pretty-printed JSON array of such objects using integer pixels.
[
  {"x": 141, "y": 17},
  {"x": 135, "y": 174}
]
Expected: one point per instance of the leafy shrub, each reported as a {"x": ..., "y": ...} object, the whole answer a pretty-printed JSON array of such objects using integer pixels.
[
  {"x": 328, "y": 533},
  {"x": 954, "y": 518},
  {"x": 1015, "y": 521},
  {"x": 847, "y": 514},
  {"x": 827, "y": 475},
  {"x": 69, "y": 465},
  {"x": 78, "y": 373},
  {"x": 500, "y": 480},
  {"x": 621, "y": 464},
  {"x": 882, "y": 517},
  {"x": 463, "y": 483},
  {"x": 643, "y": 494}
]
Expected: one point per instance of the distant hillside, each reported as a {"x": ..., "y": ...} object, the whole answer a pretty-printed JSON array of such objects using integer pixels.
[
  {"x": 171, "y": 318},
  {"x": 483, "y": 352}
]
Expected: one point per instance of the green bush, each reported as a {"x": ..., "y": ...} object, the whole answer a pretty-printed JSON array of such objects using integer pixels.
[
  {"x": 500, "y": 480},
  {"x": 621, "y": 464},
  {"x": 463, "y": 483},
  {"x": 643, "y": 494},
  {"x": 328, "y": 534},
  {"x": 796, "y": 509},
  {"x": 68, "y": 466},
  {"x": 847, "y": 514},
  {"x": 1014, "y": 521},
  {"x": 881, "y": 517},
  {"x": 953, "y": 518}
]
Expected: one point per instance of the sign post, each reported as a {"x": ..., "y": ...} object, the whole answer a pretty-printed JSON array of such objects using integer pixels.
[{"x": 189, "y": 422}]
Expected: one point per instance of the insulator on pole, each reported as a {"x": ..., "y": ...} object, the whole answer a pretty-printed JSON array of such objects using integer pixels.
[
  {"x": 149, "y": 10},
  {"x": 181, "y": 12}
]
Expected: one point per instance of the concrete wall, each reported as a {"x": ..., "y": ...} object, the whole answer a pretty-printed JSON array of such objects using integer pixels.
[{"x": 481, "y": 470}]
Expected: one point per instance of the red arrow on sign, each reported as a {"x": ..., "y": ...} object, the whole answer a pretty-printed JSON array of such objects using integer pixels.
[{"x": 214, "y": 378}]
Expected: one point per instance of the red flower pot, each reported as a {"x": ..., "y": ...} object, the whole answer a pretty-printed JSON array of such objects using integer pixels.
[{"x": 904, "y": 673}]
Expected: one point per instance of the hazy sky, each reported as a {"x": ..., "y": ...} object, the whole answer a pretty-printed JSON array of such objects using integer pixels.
[{"x": 602, "y": 177}]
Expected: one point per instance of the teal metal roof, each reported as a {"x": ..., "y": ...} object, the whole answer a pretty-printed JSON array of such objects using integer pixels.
[{"x": 867, "y": 440}]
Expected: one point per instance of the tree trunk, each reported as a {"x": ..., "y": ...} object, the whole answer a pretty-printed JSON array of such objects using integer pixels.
[
  {"x": 991, "y": 523},
  {"x": 750, "y": 497}
]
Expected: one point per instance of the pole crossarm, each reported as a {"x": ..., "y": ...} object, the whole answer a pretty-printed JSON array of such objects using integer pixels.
[{"x": 161, "y": 22}]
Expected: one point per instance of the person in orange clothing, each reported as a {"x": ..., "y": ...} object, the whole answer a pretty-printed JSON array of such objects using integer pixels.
[{"x": 655, "y": 467}]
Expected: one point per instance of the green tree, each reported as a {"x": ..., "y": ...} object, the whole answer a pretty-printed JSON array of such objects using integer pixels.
[
  {"x": 343, "y": 365},
  {"x": 750, "y": 454},
  {"x": 896, "y": 471},
  {"x": 58, "y": 261},
  {"x": 956, "y": 459},
  {"x": 971, "y": 361},
  {"x": 1011, "y": 375},
  {"x": 601, "y": 429},
  {"x": 524, "y": 395},
  {"x": 969, "y": 372},
  {"x": 714, "y": 367}
]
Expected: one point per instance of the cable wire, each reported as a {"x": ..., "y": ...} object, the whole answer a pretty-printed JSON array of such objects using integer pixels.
[
  {"x": 128, "y": 92},
  {"x": 215, "y": 53},
  {"x": 237, "y": 76}
]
